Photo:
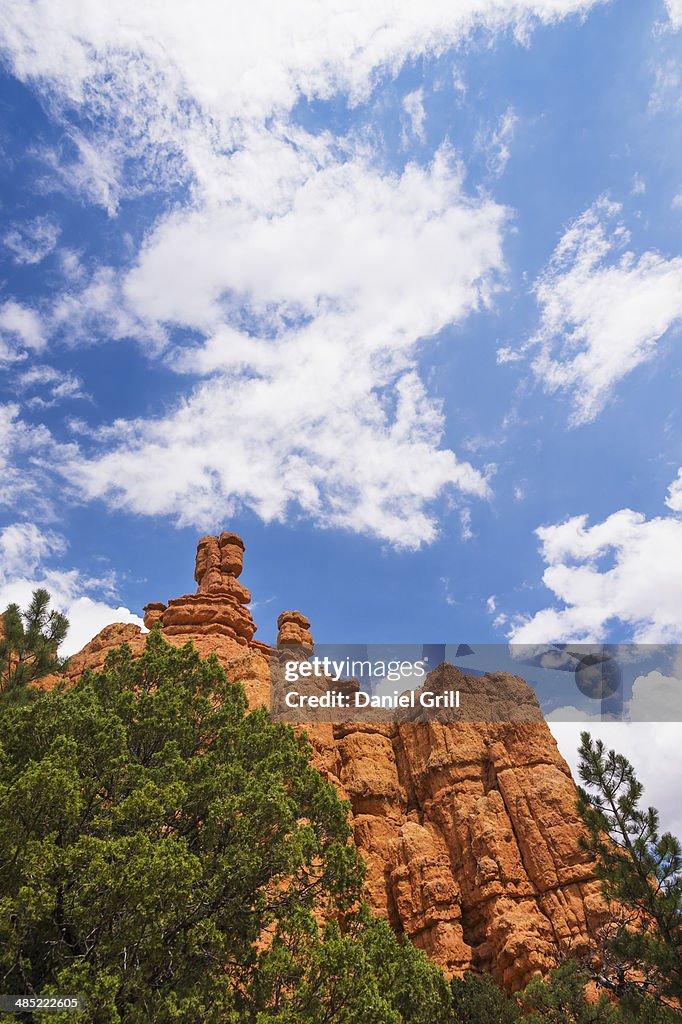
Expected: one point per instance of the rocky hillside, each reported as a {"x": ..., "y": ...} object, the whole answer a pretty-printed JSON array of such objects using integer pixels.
[{"x": 468, "y": 830}]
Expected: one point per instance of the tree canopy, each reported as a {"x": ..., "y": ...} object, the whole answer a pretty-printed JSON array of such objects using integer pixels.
[{"x": 169, "y": 855}]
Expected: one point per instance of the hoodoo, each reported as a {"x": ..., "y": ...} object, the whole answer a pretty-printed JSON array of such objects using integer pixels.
[{"x": 468, "y": 830}]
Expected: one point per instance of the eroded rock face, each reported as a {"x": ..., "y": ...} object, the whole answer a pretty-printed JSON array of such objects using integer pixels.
[
  {"x": 218, "y": 558},
  {"x": 219, "y": 606},
  {"x": 468, "y": 830},
  {"x": 470, "y": 839},
  {"x": 293, "y": 630}
]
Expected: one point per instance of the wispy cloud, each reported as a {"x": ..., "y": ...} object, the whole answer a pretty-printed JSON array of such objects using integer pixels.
[
  {"x": 496, "y": 141},
  {"x": 33, "y": 240},
  {"x": 603, "y": 308},
  {"x": 413, "y": 105}
]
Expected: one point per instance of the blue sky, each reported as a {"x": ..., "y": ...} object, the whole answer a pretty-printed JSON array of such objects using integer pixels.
[{"x": 393, "y": 291}]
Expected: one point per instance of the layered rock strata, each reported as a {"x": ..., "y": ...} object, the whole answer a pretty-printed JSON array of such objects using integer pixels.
[
  {"x": 468, "y": 830},
  {"x": 293, "y": 630}
]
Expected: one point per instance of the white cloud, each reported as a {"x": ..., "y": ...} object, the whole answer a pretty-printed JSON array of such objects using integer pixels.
[
  {"x": 655, "y": 750},
  {"x": 20, "y": 328},
  {"x": 8, "y": 416},
  {"x": 163, "y": 83},
  {"x": 339, "y": 272},
  {"x": 500, "y": 618},
  {"x": 94, "y": 306},
  {"x": 674, "y": 499},
  {"x": 24, "y": 547},
  {"x": 656, "y": 698},
  {"x": 641, "y": 590},
  {"x": 93, "y": 174},
  {"x": 466, "y": 533},
  {"x": 59, "y": 385},
  {"x": 321, "y": 238},
  {"x": 638, "y": 185},
  {"x": 496, "y": 142},
  {"x": 245, "y": 60},
  {"x": 603, "y": 310},
  {"x": 20, "y": 443},
  {"x": 413, "y": 105},
  {"x": 32, "y": 241},
  {"x": 267, "y": 443},
  {"x": 675, "y": 12},
  {"x": 295, "y": 261}
]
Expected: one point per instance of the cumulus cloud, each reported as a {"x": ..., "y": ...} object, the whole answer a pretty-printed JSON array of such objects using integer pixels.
[
  {"x": 656, "y": 698},
  {"x": 20, "y": 443},
  {"x": 654, "y": 748},
  {"x": 24, "y": 548},
  {"x": 407, "y": 253},
  {"x": 641, "y": 590},
  {"x": 312, "y": 295},
  {"x": 674, "y": 499},
  {"x": 602, "y": 310},
  {"x": 307, "y": 276},
  {"x": 265, "y": 443}
]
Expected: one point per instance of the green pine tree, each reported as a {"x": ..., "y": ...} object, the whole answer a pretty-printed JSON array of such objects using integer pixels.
[
  {"x": 29, "y": 642},
  {"x": 641, "y": 873}
]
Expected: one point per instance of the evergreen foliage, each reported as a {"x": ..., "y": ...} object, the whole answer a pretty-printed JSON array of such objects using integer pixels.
[
  {"x": 171, "y": 857},
  {"x": 28, "y": 646},
  {"x": 168, "y": 854},
  {"x": 561, "y": 999},
  {"x": 640, "y": 870},
  {"x": 479, "y": 1000}
]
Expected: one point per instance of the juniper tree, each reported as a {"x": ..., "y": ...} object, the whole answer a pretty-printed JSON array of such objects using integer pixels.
[
  {"x": 561, "y": 998},
  {"x": 476, "y": 999},
  {"x": 640, "y": 871},
  {"x": 170, "y": 855}
]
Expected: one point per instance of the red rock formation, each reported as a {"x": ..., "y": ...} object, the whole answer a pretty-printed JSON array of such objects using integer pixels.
[
  {"x": 468, "y": 830},
  {"x": 219, "y": 605},
  {"x": 294, "y": 630},
  {"x": 470, "y": 838}
]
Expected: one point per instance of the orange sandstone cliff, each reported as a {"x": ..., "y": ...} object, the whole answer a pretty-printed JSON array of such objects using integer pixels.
[{"x": 468, "y": 830}]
